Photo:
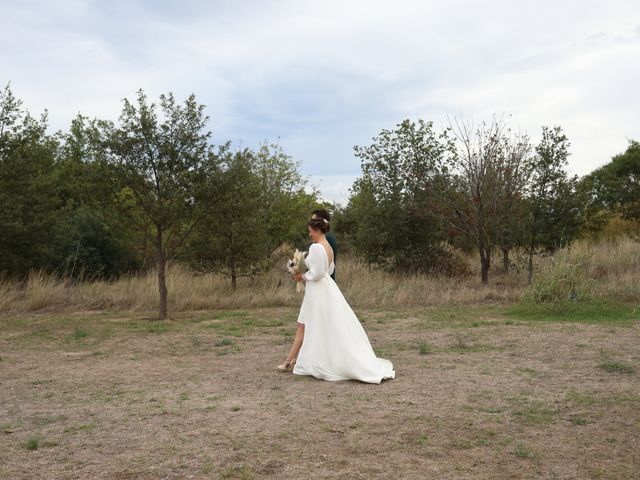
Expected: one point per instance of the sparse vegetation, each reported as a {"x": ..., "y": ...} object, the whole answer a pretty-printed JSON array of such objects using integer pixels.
[
  {"x": 484, "y": 393},
  {"x": 521, "y": 451},
  {"x": 614, "y": 366},
  {"x": 602, "y": 277},
  {"x": 33, "y": 443}
]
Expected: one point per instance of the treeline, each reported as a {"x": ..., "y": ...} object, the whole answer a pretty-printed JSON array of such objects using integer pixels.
[
  {"x": 110, "y": 197},
  {"x": 105, "y": 197},
  {"x": 481, "y": 189}
]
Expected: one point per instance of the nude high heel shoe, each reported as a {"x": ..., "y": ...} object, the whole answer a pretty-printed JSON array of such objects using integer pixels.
[{"x": 287, "y": 365}]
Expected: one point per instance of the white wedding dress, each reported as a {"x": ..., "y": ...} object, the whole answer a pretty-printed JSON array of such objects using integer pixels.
[{"x": 335, "y": 345}]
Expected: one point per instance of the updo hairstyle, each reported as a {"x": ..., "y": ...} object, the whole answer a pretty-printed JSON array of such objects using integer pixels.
[{"x": 321, "y": 224}]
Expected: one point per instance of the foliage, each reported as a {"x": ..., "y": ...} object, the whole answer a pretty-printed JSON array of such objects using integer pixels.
[
  {"x": 615, "y": 187},
  {"x": 262, "y": 204},
  {"x": 232, "y": 235},
  {"x": 393, "y": 217},
  {"x": 554, "y": 214},
  {"x": 29, "y": 207},
  {"x": 163, "y": 162},
  {"x": 565, "y": 280},
  {"x": 485, "y": 194}
]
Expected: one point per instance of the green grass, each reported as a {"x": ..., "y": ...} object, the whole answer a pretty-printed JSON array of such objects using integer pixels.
[
  {"x": 577, "y": 420},
  {"x": 525, "y": 372},
  {"x": 156, "y": 327},
  {"x": 227, "y": 314},
  {"x": 581, "y": 398},
  {"x": 592, "y": 312},
  {"x": 424, "y": 348},
  {"x": 85, "y": 427},
  {"x": 463, "y": 344},
  {"x": 183, "y": 397},
  {"x": 79, "y": 333},
  {"x": 462, "y": 444},
  {"x": 420, "y": 439},
  {"x": 207, "y": 467},
  {"x": 612, "y": 366},
  {"x": 240, "y": 472},
  {"x": 589, "y": 399},
  {"x": 33, "y": 443},
  {"x": 521, "y": 451},
  {"x": 535, "y": 413}
]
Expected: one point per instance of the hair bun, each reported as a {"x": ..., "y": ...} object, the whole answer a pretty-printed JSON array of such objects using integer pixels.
[{"x": 321, "y": 224}]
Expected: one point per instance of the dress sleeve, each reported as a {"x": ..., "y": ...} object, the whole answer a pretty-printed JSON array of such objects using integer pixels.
[{"x": 315, "y": 264}]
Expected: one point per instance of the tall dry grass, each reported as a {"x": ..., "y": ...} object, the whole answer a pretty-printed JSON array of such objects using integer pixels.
[
  {"x": 606, "y": 271},
  {"x": 612, "y": 269}
]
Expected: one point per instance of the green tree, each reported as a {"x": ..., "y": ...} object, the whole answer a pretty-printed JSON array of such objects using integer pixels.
[
  {"x": 29, "y": 208},
  {"x": 93, "y": 239},
  {"x": 160, "y": 164},
  {"x": 286, "y": 203},
  {"x": 262, "y": 204},
  {"x": 232, "y": 237},
  {"x": 615, "y": 186},
  {"x": 554, "y": 211},
  {"x": 394, "y": 214}
]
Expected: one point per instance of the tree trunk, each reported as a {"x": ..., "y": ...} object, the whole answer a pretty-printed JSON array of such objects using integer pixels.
[
  {"x": 161, "y": 264},
  {"x": 234, "y": 274},
  {"x": 506, "y": 262},
  {"x": 485, "y": 260},
  {"x": 530, "y": 266}
]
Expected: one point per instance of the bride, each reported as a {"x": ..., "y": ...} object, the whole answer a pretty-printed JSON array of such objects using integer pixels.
[{"x": 335, "y": 345}]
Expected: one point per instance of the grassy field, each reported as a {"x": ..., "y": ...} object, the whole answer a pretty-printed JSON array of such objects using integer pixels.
[{"x": 483, "y": 391}]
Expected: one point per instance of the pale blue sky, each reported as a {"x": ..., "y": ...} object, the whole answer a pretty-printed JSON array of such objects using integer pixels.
[{"x": 320, "y": 77}]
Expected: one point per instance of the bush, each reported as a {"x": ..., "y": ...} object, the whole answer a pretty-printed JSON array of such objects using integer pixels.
[{"x": 565, "y": 279}]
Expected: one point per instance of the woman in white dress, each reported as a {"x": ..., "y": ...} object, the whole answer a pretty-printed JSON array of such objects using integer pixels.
[{"x": 335, "y": 345}]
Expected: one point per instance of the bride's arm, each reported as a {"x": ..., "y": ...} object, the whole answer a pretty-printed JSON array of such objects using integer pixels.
[{"x": 315, "y": 263}]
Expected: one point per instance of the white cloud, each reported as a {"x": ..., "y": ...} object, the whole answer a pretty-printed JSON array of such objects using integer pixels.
[{"x": 325, "y": 76}]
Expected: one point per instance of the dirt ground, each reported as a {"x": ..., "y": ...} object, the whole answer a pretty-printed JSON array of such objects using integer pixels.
[{"x": 478, "y": 395}]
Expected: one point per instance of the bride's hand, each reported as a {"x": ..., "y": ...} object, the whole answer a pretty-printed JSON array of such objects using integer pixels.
[{"x": 299, "y": 277}]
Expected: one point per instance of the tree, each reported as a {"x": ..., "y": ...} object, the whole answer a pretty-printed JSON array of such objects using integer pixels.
[
  {"x": 286, "y": 203},
  {"x": 616, "y": 186},
  {"x": 514, "y": 171},
  {"x": 394, "y": 210},
  {"x": 29, "y": 206},
  {"x": 92, "y": 239},
  {"x": 262, "y": 203},
  {"x": 233, "y": 236},
  {"x": 554, "y": 213},
  {"x": 476, "y": 193},
  {"x": 486, "y": 194},
  {"x": 160, "y": 165}
]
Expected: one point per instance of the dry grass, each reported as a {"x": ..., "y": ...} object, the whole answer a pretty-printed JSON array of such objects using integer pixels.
[
  {"x": 199, "y": 397},
  {"x": 611, "y": 269}
]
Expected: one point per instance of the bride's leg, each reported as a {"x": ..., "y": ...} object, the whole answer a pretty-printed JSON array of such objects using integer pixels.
[
  {"x": 297, "y": 342},
  {"x": 295, "y": 349}
]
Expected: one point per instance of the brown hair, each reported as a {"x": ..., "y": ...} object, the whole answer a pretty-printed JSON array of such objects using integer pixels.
[{"x": 321, "y": 224}]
